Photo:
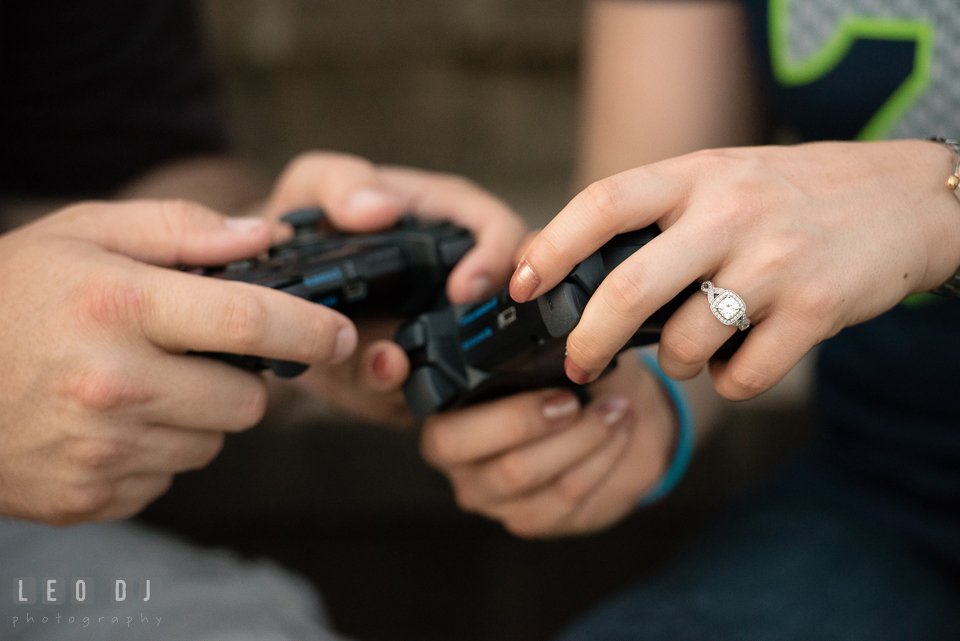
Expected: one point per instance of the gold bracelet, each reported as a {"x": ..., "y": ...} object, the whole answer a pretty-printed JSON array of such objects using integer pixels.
[
  {"x": 953, "y": 181},
  {"x": 950, "y": 288}
]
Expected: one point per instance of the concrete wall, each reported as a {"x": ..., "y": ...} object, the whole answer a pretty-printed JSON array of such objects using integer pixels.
[{"x": 486, "y": 88}]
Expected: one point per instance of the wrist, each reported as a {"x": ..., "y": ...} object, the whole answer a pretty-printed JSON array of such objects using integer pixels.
[
  {"x": 686, "y": 434},
  {"x": 951, "y": 286}
]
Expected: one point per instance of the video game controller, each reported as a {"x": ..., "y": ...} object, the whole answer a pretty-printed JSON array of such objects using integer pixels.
[
  {"x": 398, "y": 272},
  {"x": 466, "y": 354}
]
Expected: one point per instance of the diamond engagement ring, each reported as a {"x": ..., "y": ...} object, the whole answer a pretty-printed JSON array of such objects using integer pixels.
[{"x": 726, "y": 306}]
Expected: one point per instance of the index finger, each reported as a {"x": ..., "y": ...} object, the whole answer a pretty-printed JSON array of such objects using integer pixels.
[
  {"x": 183, "y": 312},
  {"x": 474, "y": 433},
  {"x": 625, "y": 202}
]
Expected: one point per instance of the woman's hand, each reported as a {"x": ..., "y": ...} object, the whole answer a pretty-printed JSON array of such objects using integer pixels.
[
  {"x": 812, "y": 237},
  {"x": 545, "y": 466},
  {"x": 360, "y": 196}
]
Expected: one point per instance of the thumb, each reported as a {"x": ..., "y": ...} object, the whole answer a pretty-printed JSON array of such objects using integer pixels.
[{"x": 165, "y": 232}]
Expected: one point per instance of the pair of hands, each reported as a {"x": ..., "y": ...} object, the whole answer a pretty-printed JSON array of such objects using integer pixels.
[
  {"x": 101, "y": 402},
  {"x": 813, "y": 237}
]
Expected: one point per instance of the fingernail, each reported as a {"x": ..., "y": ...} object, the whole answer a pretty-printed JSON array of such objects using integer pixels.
[
  {"x": 613, "y": 408},
  {"x": 575, "y": 373},
  {"x": 380, "y": 366},
  {"x": 346, "y": 344},
  {"x": 480, "y": 286},
  {"x": 246, "y": 225},
  {"x": 524, "y": 283},
  {"x": 367, "y": 199},
  {"x": 560, "y": 405}
]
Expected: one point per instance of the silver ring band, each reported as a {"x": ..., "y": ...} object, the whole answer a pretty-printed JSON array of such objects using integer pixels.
[{"x": 726, "y": 306}]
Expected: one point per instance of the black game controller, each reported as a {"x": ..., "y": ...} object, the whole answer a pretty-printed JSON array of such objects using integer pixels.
[
  {"x": 400, "y": 272},
  {"x": 471, "y": 353}
]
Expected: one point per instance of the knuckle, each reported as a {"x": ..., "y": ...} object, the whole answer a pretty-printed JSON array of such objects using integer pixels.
[
  {"x": 252, "y": 406},
  {"x": 244, "y": 322},
  {"x": 746, "y": 382},
  {"x": 515, "y": 472},
  {"x": 81, "y": 214},
  {"x": 108, "y": 300},
  {"x": 83, "y": 501},
  {"x": 738, "y": 209},
  {"x": 602, "y": 197},
  {"x": 584, "y": 348},
  {"x": 175, "y": 216},
  {"x": 99, "y": 454},
  {"x": 103, "y": 389},
  {"x": 320, "y": 338},
  {"x": 523, "y": 424},
  {"x": 681, "y": 349},
  {"x": 571, "y": 489},
  {"x": 819, "y": 309},
  {"x": 624, "y": 292}
]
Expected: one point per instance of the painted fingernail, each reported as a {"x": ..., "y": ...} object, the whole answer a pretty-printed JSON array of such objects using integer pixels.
[
  {"x": 613, "y": 408},
  {"x": 524, "y": 283},
  {"x": 575, "y": 373},
  {"x": 246, "y": 225},
  {"x": 560, "y": 405},
  {"x": 381, "y": 366},
  {"x": 367, "y": 199},
  {"x": 480, "y": 286},
  {"x": 346, "y": 344}
]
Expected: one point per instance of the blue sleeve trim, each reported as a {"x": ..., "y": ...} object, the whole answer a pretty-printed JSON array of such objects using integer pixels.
[{"x": 686, "y": 436}]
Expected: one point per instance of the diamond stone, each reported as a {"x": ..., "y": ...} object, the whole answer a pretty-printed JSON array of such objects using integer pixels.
[{"x": 728, "y": 306}]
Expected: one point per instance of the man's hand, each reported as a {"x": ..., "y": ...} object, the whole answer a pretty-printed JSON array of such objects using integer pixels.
[
  {"x": 545, "y": 466},
  {"x": 101, "y": 404},
  {"x": 360, "y": 196}
]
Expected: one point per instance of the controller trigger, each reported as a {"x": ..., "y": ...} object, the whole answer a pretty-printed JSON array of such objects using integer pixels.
[{"x": 306, "y": 219}]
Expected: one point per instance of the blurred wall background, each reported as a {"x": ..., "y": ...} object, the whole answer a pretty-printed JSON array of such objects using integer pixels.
[{"x": 485, "y": 88}]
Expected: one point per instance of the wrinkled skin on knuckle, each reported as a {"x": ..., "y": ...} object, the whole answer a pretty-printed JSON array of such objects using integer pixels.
[
  {"x": 624, "y": 293},
  {"x": 745, "y": 383},
  {"x": 98, "y": 455},
  {"x": 678, "y": 347},
  {"x": 174, "y": 215},
  {"x": 321, "y": 338},
  {"x": 108, "y": 300},
  {"x": 103, "y": 389},
  {"x": 585, "y": 350},
  {"x": 244, "y": 322},
  {"x": 601, "y": 198}
]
